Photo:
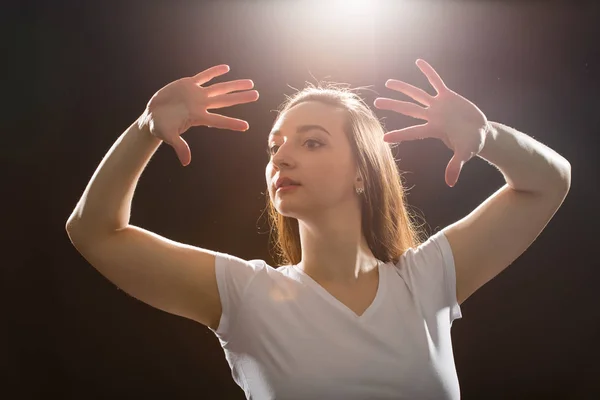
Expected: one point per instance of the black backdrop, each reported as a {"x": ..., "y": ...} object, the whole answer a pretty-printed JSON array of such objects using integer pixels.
[{"x": 79, "y": 73}]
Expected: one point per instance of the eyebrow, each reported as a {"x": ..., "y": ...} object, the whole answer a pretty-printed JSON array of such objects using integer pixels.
[{"x": 301, "y": 129}]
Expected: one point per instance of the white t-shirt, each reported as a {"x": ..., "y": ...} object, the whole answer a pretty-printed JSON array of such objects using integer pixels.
[{"x": 285, "y": 337}]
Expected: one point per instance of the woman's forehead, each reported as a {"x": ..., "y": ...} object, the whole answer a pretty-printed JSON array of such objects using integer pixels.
[{"x": 310, "y": 113}]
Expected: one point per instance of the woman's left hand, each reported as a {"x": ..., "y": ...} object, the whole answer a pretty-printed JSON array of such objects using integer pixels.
[{"x": 450, "y": 117}]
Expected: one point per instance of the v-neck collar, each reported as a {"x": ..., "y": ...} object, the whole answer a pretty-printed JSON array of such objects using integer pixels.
[{"x": 335, "y": 302}]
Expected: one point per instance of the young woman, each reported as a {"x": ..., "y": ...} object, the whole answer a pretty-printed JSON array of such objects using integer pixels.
[{"x": 361, "y": 305}]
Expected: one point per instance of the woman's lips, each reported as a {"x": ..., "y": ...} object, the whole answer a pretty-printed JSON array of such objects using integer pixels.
[{"x": 287, "y": 188}]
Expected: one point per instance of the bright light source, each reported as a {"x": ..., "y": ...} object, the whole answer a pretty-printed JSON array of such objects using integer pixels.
[
  {"x": 349, "y": 7},
  {"x": 353, "y": 7},
  {"x": 344, "y": 12}
]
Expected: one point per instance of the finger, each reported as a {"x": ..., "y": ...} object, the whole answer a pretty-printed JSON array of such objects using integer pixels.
[
  {"x": 432, "y": 76},
  {"x": 210, "y": 73},
  {"x": 403, "y": 107},
  {"x": 182, "y": 150},
  {"x": 231, "y": 99},
  {"x": 222, "y": 122},
  {"x": 406, "y": 134},
  {"x": 226, "y": 87},
  {"x": 417, "y": 94}
]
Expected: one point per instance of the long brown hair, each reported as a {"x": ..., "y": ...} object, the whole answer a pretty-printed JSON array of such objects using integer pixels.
[{"x": 387, "y": 224}]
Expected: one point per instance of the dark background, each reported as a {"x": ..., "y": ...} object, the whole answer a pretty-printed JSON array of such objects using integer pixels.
[{"x": 79, "y": 73}]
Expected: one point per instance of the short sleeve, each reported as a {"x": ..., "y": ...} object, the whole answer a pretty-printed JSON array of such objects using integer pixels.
[
  {"x": 234, "y": 276},
  {"x": 429, "y": 272}
]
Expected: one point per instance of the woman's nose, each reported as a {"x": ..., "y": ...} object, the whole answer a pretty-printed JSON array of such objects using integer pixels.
[
  {"x": 281, "y": 162},
  {"x": 282, "y": 156}
]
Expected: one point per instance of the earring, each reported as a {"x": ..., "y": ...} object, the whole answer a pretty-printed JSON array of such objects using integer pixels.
[{"x": 359, "y": 190}]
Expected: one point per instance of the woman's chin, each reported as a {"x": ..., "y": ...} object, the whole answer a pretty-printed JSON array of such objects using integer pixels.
[{"x": 287, "y": 209}]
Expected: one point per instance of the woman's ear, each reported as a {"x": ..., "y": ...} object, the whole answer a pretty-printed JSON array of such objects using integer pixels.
[{"x": 358, "y": 176}]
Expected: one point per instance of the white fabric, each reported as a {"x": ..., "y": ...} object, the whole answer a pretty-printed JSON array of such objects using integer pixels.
[{"x": 285, "y": 337}]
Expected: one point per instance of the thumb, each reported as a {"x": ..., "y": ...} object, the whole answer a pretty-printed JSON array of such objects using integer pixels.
[
  {"x": 453, "y": 170},
  {"x": 182, "y": 150}
]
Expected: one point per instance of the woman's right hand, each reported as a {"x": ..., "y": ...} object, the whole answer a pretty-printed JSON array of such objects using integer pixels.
[{"x": 185, "y": 103}]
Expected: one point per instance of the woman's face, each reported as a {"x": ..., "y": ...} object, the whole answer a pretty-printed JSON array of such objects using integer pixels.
[{"x": 308, "y": 145}]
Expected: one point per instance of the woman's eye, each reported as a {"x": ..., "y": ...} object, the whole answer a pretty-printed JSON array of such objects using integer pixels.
[
  {"x": 271, "y": 150},
  {"x": 314, "y": 141}
]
